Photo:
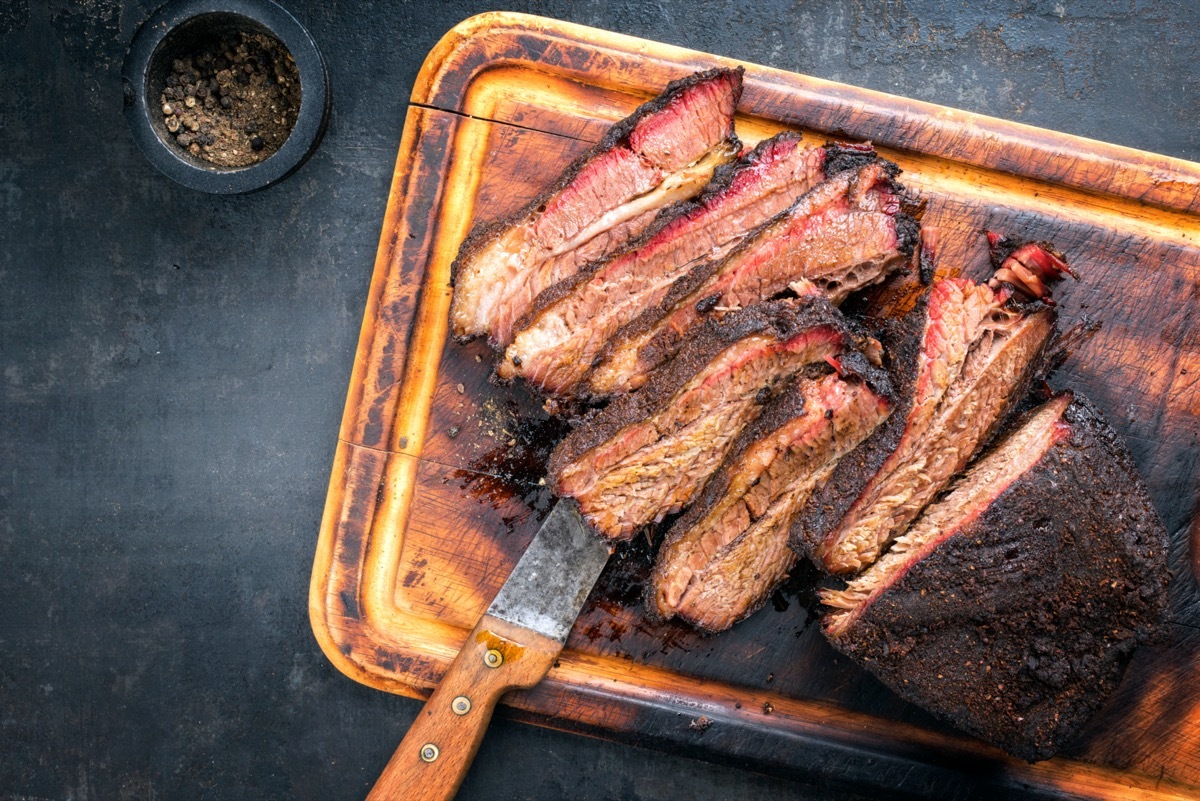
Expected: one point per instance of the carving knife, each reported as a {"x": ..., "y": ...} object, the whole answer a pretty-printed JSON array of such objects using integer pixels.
[{"x": 512, "y": 647}]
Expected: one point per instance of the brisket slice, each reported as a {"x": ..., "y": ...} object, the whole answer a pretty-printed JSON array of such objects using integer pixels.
[
  {"x": 648, "y": 454},
  {"x": 1027, "y": 267},
  {"x": 665, "y": 151},
  {"x": 722, "y": 559},
  {"x": 555, "y": 345},
  {"x": 1012, "y": 605},
  {"x": 971, "y": 363},
  {"x": 845, "y": 234}
]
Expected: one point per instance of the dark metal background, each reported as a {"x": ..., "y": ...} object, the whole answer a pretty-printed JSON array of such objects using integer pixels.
[{"x": 175, "y": 364}]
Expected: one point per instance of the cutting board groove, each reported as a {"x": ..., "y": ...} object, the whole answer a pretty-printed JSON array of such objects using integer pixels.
[{"x": 434, "y": 491}]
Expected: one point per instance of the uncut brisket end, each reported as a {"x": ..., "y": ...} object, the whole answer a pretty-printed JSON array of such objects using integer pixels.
[
  {"x": 665, "y": 151},
  {"x": 555, "y": 344},
  {"x": 971, "y": 363},
  {"x": 724, "y": 557},
  {"x": 1013, "y": 604},
  {"x": 845, "y": 234},
  {"x": 648, "y": 454}
]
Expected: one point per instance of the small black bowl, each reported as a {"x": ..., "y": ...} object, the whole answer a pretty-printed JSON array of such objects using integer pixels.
[{"x": 174, "y": 29}]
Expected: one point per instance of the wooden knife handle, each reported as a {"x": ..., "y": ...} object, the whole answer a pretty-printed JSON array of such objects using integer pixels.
[{"x": 434, "y": 756}]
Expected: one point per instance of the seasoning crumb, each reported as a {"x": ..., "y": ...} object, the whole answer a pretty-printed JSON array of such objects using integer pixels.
[
  {"x": 452, "y": 432},
  {"x": 768, "y": 707},
  {"x": 461, "y": 389},
  {"x": 701, "y": 723},
  {"x": 404, "y": 442}
]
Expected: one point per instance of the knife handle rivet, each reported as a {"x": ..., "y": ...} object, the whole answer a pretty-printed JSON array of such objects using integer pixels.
[
  {"x": 429, "y": 752},
  {"x": 493, "y": 658},
  {"x": 461, "y": 705}
]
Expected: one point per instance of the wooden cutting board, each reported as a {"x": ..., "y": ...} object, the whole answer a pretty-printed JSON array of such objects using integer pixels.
[{"x": 436, "y": 485}]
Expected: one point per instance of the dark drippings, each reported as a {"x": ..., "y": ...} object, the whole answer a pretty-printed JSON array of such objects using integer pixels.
[
  {"x": 625, "y": 576},
  {"x": 516, "y": 470}
]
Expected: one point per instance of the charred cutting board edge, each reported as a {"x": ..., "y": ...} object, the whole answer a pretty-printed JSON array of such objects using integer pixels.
[{"x": 352, "y": 600}]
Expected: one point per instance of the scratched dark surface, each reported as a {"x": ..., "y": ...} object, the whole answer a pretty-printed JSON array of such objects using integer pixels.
[{"x": 175, "y": 365}]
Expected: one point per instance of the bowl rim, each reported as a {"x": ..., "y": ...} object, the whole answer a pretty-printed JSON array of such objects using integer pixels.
[{"x": 315, "y": 95}]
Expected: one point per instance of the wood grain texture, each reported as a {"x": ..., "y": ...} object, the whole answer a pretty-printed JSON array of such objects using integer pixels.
[
  {"x": 432, "y": 760},
  {"x": 435, "y": 490}
]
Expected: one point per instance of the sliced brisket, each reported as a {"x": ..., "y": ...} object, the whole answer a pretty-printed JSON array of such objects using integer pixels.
[
  {"x": 961, "y": 362},
  {"x": 649, "y": 453},
  {"x": 1028, "y": 267},
  {"x": 845, "y": 234},
  {"x": 665, "y": 151},
  {"x": 726, "y": 554},
  {"x": 555, "y": 345},
  {"x": 1012, "y": 605}
]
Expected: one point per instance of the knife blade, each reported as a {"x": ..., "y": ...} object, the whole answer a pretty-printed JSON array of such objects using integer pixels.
[{"x": 512, "y": 646}]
